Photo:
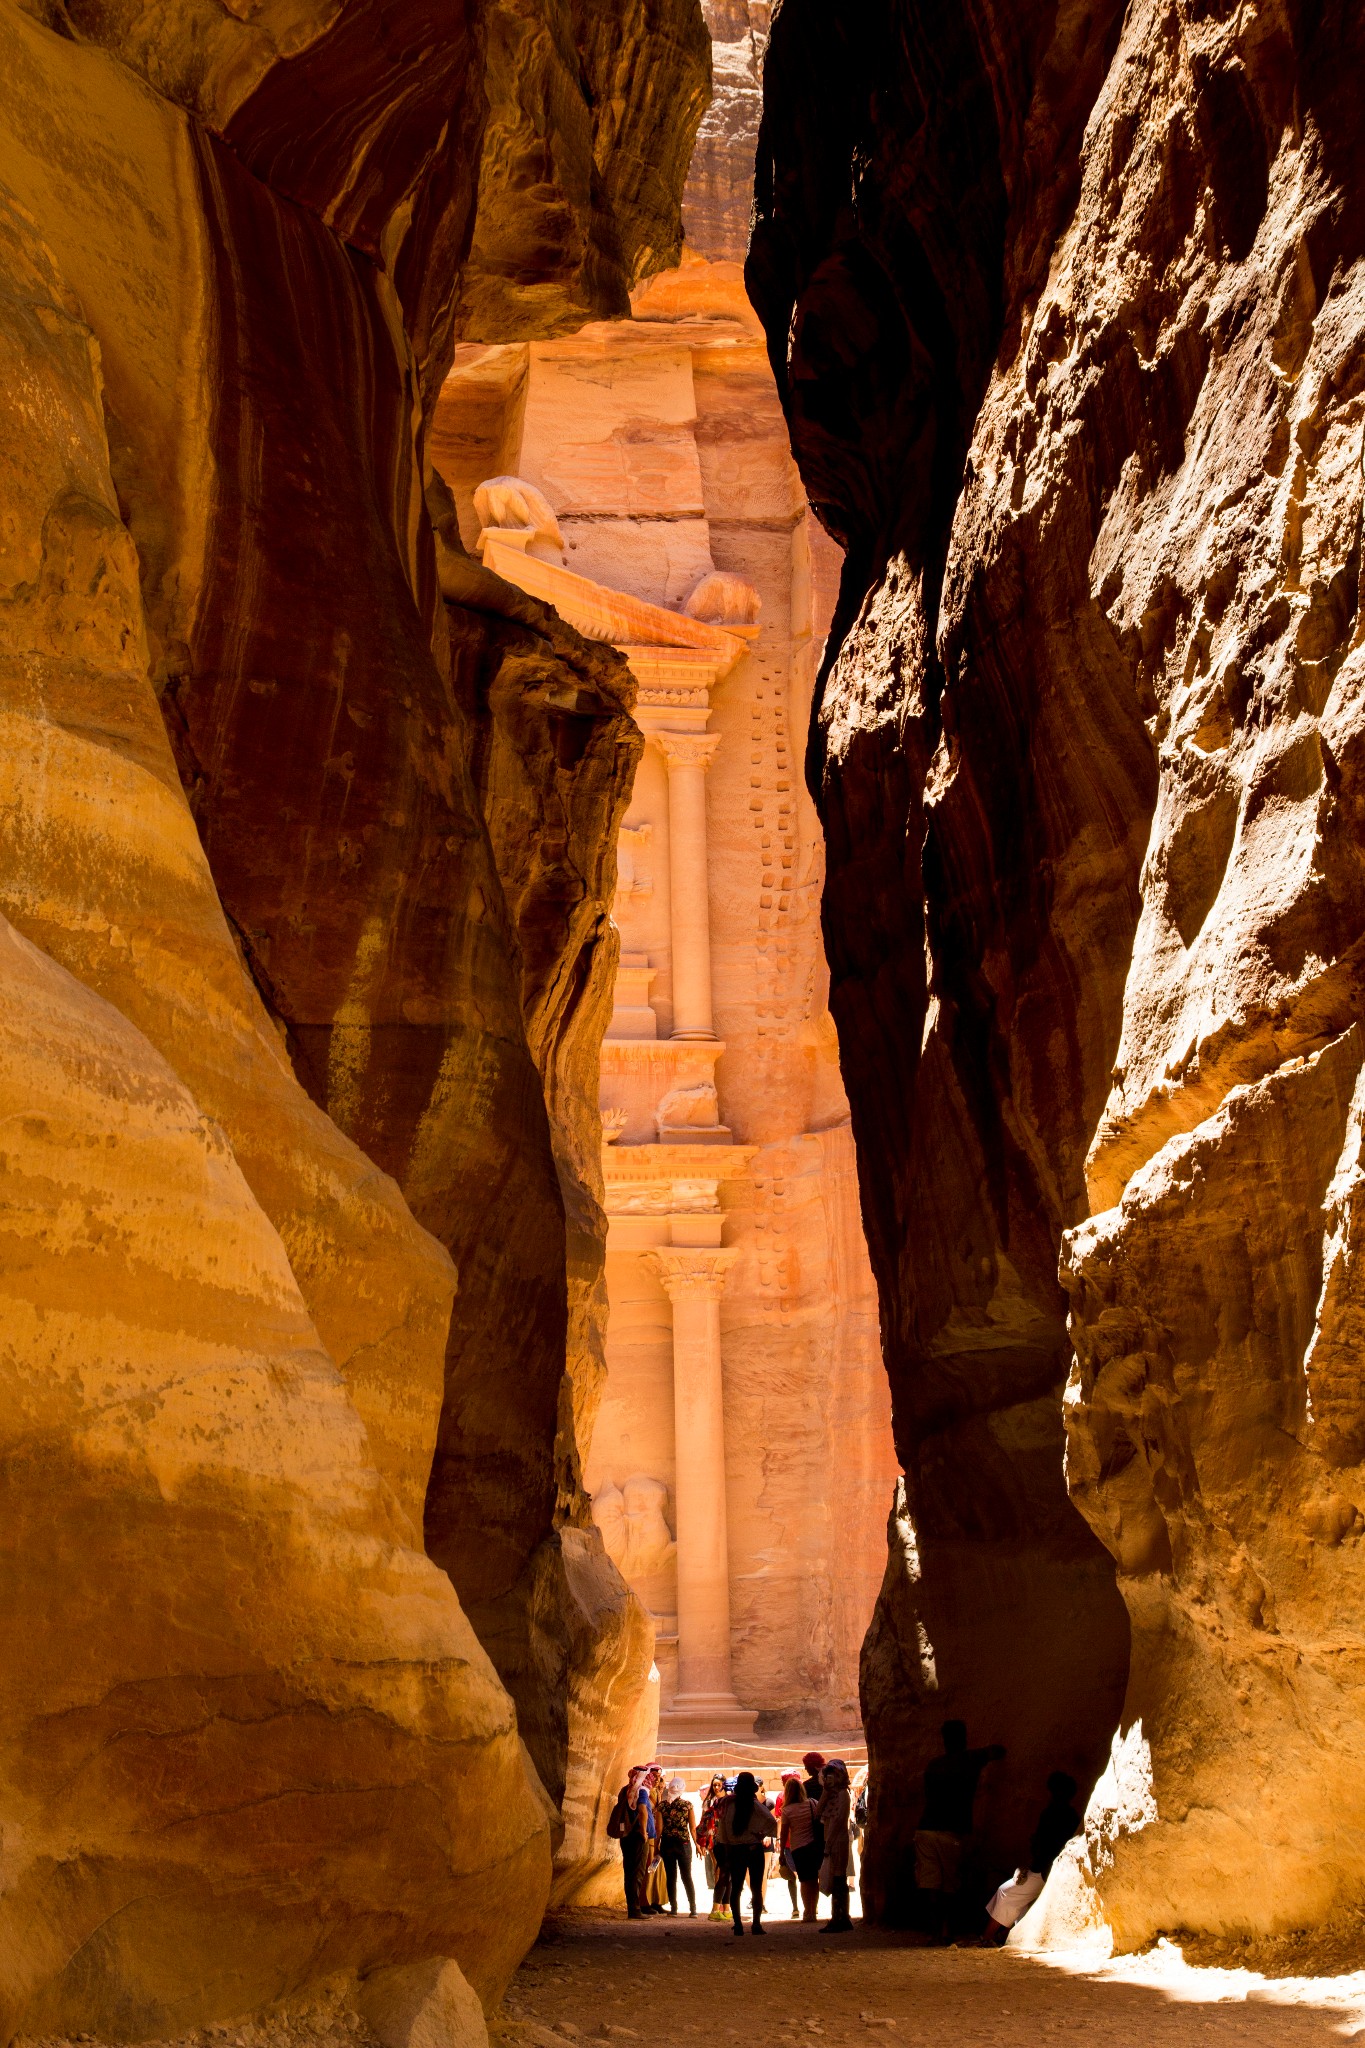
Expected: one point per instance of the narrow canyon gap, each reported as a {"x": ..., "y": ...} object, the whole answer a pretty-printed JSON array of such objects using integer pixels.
[
  {"x": 734, "y": 1410},
  {"x": 322, "y": 1673}
]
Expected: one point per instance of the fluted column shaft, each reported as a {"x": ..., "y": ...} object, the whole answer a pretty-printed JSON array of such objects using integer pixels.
[{"x": 688, "y": 756}]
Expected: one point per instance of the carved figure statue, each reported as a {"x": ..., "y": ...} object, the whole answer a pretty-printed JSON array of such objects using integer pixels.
[
  {"x": 634, "y": 1525},
  {"x": 514, "y": 505},
  {"x": 632, "y": 876},
  {"x": 695, "y": 1107},
  {"x": 723, "y": 599}
]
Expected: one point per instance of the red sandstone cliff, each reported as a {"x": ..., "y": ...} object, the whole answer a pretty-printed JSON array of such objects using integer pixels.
[
  {"x": 1065, "y": 307},
  {"x": 294, "y": 988}
]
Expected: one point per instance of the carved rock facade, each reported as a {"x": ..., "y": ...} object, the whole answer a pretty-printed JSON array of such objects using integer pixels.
[{"x": 1064, "y": 303}]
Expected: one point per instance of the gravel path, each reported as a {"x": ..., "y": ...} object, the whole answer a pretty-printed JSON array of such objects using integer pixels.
[{"x": 671, "y": 1983}]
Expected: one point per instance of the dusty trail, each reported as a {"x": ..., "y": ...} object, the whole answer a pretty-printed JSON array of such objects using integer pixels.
[{"x": 594, "y": 1978}]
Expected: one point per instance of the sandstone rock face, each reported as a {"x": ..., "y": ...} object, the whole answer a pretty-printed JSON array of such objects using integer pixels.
[
  {"x": 553, "y": 759},
  {"x": 251, "y": 1736},
  {"x": 422, "y": 2005},
  {"x": 718, "y": 196},
  {"x": 270, "y": 1009},
  {"x": 1076, "y": 377}
]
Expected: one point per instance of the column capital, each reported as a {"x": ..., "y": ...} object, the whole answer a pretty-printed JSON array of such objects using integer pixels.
[
  {"x": 686, "y": 749},
  {"x": 684, "y": 1272}
]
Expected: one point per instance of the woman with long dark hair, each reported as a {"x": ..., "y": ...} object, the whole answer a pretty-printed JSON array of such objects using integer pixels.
[
  {"x": 743, "y": 1825},
  {"x": 717, "y": 1869}
]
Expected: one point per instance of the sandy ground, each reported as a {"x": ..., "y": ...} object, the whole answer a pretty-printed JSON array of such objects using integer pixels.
[{"x": 675, "y": 1982}]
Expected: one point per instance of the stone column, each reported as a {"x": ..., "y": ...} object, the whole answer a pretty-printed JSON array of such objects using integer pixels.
[
  {"x": 688, "y": 755},
  {"x": 694, "y": 1281}
]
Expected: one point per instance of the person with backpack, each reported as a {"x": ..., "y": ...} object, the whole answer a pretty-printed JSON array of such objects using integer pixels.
[
  {"x": 744, "y": 1823},
  {"x": 627, "y": 1826}
]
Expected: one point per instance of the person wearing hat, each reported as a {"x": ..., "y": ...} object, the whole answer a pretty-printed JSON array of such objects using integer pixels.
[{"x": 676, "y": 1841}]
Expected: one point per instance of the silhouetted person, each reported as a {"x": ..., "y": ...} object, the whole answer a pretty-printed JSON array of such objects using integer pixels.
[
  {"x": 835, "y": 1813},
  {"x": 1057, "y": 1823},
  {"x": 950, "y": 1783},
  {"x": 815, "y": 1791}
]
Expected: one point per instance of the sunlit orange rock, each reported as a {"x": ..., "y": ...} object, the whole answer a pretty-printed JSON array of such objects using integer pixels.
[{"x": 289, "y": 1024}]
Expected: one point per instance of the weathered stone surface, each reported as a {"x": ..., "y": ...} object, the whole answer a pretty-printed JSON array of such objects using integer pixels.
[
  {"x": 553, "y": 758},
  {"x": 979, "y": 905},
  {"x": 229, "y": 255},
  {"x": 584, "y": 156},
  {"x": 718, "y": 196},
  {"x": 251, "y": 1738},
  {"x": 422, "y": 2005},
  {"x": 1077, "y": 376},
  {"x": 100, "y": 865},
  {"x": 1204, "y": 1423}
]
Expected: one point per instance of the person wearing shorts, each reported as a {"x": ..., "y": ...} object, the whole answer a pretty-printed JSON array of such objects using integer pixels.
[{"x": 799, "y": 1844}]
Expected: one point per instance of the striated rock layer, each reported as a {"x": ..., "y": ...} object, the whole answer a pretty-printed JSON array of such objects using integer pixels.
[
  {"x": 553, "y": 759},
  {"x": 286, "y": 1023},
  {"x": 1065, "y": 305}
]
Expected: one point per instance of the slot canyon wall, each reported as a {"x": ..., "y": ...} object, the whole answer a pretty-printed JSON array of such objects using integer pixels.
[
  {"x": 1065, "y": 305},
  {"x": 305, "y": 873}
]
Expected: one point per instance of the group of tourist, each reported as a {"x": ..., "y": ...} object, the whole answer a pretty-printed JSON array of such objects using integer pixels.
[
  {"x": 810, "y": 1830},
  {"x": 811, "y": 1833}
]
